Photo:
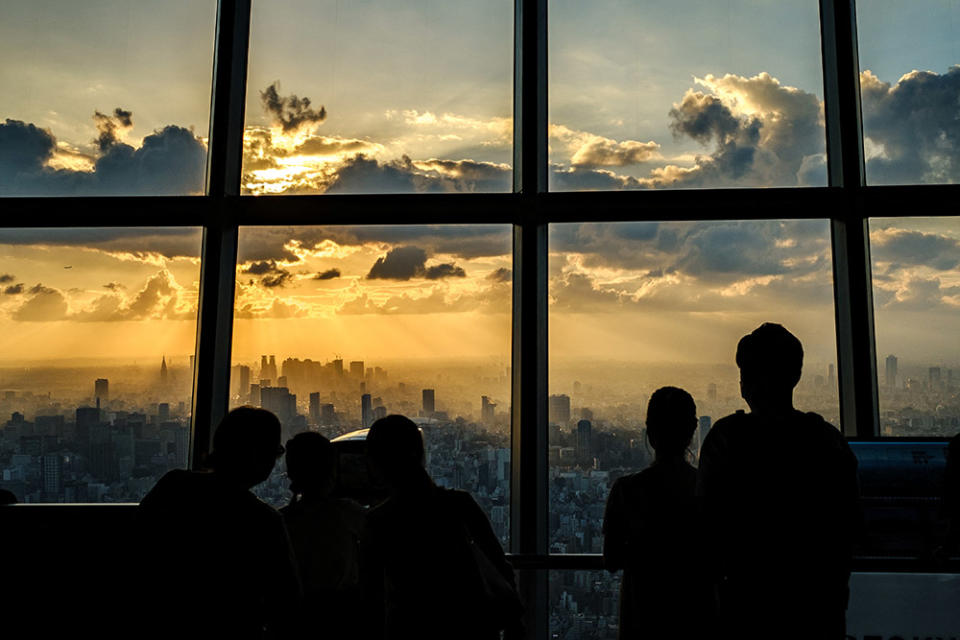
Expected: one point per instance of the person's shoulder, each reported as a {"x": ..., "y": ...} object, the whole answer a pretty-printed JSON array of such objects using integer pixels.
[
  {"x": 816, "y": 423},
  {"x": 172, "y": 485},
  {"x": 731, "y": 422}
]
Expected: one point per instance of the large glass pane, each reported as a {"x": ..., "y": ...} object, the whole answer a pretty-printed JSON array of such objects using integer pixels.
[
  {"x": 638, "y": 306},
  {"x": 97, "y": 331},
  {"x": 698, "y": 93},
  {"x": 379, "y": 96},
  {"x": 909, "y": 90},
  {"x": 583, "y": 604},
  {"x": 336, "y": 326},
  {"x": 105, "y": 97},
  {"x": 916, "y": 297}
]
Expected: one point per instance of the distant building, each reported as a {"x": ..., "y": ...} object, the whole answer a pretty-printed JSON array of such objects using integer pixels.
[
  {"x": 703, "y": 427},
  {"x": 487, "y": 410},
  {"x": 164, "y": 378},
  {"x": 356, "y": 369},
  {"x": 101, "y": 391},
  {"x": 163, "y": 412},
  {"x": 891, "y": 372},
  {"x": 366, "y": 411},
  {"x": 338, "y": 367},
  {"x": 280, "y": 401},
  {"x": 831, "y": 377},
  {"x": 584, "y": 439},
  {"x": 254, "y": 395},
  {"x": 712, "y": 392},
  {"x": 429, "y": 402},
  {"x": 328, "y": 415},
  {"x": 934, "y": 376},
  {"x": 559, "y": 409},
  {"x": 379, "y": 412},
  {"x": 315, "y": 407}
]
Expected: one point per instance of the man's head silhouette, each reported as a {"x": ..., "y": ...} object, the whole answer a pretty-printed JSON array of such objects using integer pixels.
[
  {"x": 395, "y": 446},
  {"x": 246, "y": 445},
  {"x": 770, "y": 359}
]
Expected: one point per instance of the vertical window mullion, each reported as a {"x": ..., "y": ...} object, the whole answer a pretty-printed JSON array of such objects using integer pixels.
[
  {"x": 528, "y": 508},
  {"x": 856, "y": 351},
  {"x": 211, "y": 382}
]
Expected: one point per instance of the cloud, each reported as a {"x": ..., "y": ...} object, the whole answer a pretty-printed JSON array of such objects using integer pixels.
[
  {"x": 114, "y": 286},
  {"x": 111, "y": 127},
  {"x": 400, "y": 263},
  {"x": 407, "y": 262},
  {"x": 913, "y": 127},
  {"x": 329, "y": 274},
  {"x": 918, "y": 294},
  {"x": 145, "y": 243},
  {"x": 45, "y": 304},
  {"x": 170, "y": 161},
  {"x": 260, "y": 267},
  {"x": 591, "y": 150},
  {"x": 13, "y": 289},
  {"x": 160, "y": 298},
  {"x": 901, "y": 247},
  {"x": 361, "y": 174},
  {"x": 501, "y": 275},
  {"x": 273, "y": 274},
  {"x": 279, "y": 279},
  {"x": 278, "y": 309},
  {"x": 440, "y": 271},
  {"x": 290, "y": 112},
  {"x": 7, "y": 277}
]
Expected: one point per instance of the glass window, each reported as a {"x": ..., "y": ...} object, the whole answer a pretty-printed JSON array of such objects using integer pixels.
[
  {"x": 637, "y": 306},
  {"x": 909, "y": 89},
  {"x": 379, "y": 97},
  {"x": 916, "y": 296},
  {"x": 584, "y": 604},
  {"x": 97, "y": 332},
  {"x": 661, "y": 94},
  {"x": 337, "y": 326},
  {"x": 105, "y": 97}
]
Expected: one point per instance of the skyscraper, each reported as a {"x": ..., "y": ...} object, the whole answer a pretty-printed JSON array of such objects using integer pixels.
[
  {"x": 366, "y": 411},
  {"x": 487, "y": 410},
  {"x": 559, "y": 409},
  {"x": 328, "y": 414},
  {"x": 831, "y": 376},
  {"x": 101, "y": 391},
  {"x": 934, "y": 377},
  {"x": 315, "y": 407},
  {"x": 584, "y": 439},
  {"x": 891, "y": 377},
  {"x": 163, "y": 371},
  {"x": 429, "y": 402},
  {"x": 356, "y": 369},
  {"x": 280, "y": 401}
]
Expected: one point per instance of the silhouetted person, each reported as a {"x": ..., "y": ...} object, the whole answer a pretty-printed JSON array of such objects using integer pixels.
[
  {"x": 216, "y": 561},
  {"x": 781, "y": 502},
  {"x": 651, "y": 530},
  {"x": 325, "y": 532},
  {"x": 416, "y": 563}
]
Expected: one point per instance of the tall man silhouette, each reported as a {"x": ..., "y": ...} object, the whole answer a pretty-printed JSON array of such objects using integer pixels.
[{"x": 781, "y": 503}]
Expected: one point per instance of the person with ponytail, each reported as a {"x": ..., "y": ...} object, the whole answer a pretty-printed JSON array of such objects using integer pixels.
[
  {"x": 651, "y": 531},
  {"x": 325, "y": 533}
]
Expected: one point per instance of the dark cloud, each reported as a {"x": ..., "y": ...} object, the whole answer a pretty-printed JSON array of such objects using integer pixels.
[
  {"x": 915, "y": 123},
  {"x": 171, "y": 161},
  {"x": 440, "y": 271},
  {"x": 361, "y": 174},
  {"x": 260, "y": 267},
  {"x": 329, "y": 274},
  {"x": 14, "y": 289},
  {"x": 108, "y": 127},
  {"x": 44, "y": 305},
  {"x": 918, "y": 294},
  {"x": 501, "y": 275},
  {"x": 114, "y": 286},
  {"x": 279, "y": 279},
  {"x": 290, "y": 112},
  {"x": 171, "y": 242},
  {"x": 7, "y": 277},
  {"x": 400, "y": 263},
  {"x": 902, "y": 248}
]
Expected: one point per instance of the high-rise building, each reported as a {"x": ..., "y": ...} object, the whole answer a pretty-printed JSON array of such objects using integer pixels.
[
  {"x": 487, "y": 410},
  {"x": 163, "y": 372},
  {"x": 933, "y": 375},
  {"x": 366, "y": 411},
  {"x": 328, "y": 414},
  {"x": 584, "y": 439},
  {"x": 712, "y": 392},
  {"x": 429, "y": 402},
  {"x": 254, "y": 394},
  {"x": 379, "y": 412},
  {"x": 163, "y": 412},
  {"x": 891, "y": 377},
  {"x": 101, "y": 391},
  {"x": 52, "y": 471},
  {"x": 243, "y": 374},
  {"x": 315, "y": 407},
  {"x": 281, "y": 402},
  {"x": 831, "y": 376},
  {"x": 338, "y": 367},
  {"x": 703, "y": 426},
  {"x": 356, "y": 369},
  {"x": 559, "y": 409}
]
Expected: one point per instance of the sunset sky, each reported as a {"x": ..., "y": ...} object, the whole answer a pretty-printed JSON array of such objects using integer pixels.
[{"x": 113, "y": 97}]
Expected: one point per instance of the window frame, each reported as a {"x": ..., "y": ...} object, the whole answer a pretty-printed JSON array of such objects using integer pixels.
[{"x": 530, "y": 208}]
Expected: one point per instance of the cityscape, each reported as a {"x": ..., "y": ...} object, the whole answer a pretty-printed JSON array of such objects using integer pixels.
[{"x": 108, "y": 434}]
